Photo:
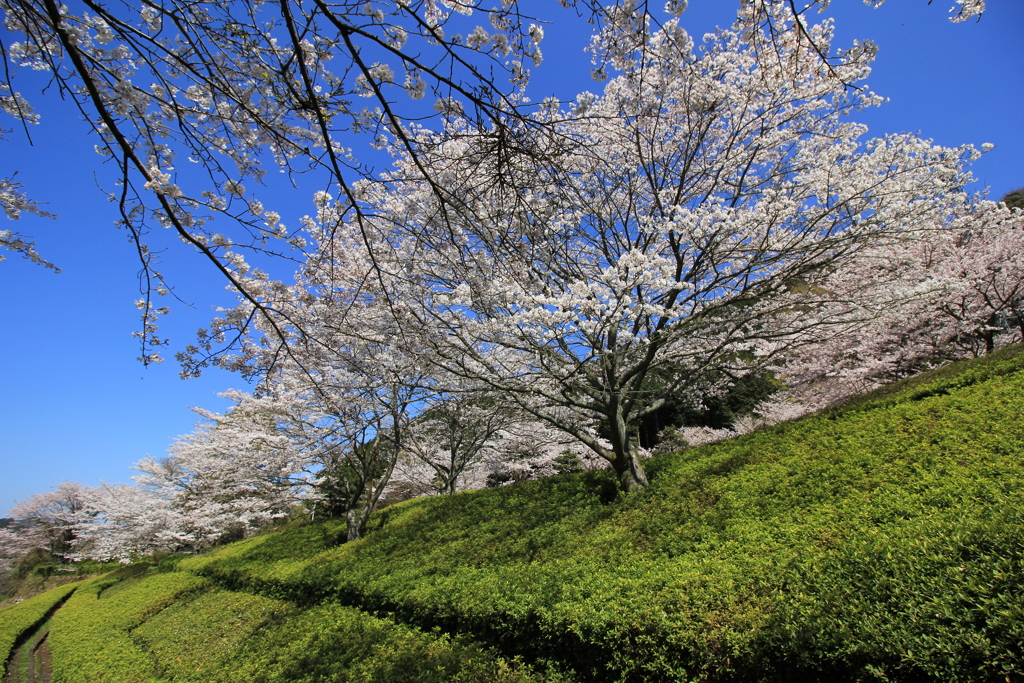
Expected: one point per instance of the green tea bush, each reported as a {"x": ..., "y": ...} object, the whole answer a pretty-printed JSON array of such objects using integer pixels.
[
  {"x": 192, "y": 639},
  {"x": 90, "y": 636},
  {"x": 226, "y": 636},
  {"x": 268, "y": 562},
  {"x": 939, "y": 600},
  {"x": 345, "y": 645},
  {"x": 864, "y": 543},
  {"x": 19, "y": 620}
]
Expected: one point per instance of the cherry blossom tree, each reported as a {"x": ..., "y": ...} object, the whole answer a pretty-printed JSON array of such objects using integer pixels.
[
  {"x": 532, "y": 449},
  {"x": 15, "y": 543},
  {"x": 985, "y": 263},
  {"x": 456, "y": 434},
  {"x": 236, "y": 472},
  {"x": 363, "y": 420},
  {"x": 520, "y": 449},
  {"x": 953, "y": 292},
  {"x": 129, "y": 521},
  {"x": 342, "y": 352},
  {"x": 49, "y": 520},
  {"x": 661, "y": 225}
]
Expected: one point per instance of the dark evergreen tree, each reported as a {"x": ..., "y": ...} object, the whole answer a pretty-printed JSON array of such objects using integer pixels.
[{"x": 1014, "y": 199}]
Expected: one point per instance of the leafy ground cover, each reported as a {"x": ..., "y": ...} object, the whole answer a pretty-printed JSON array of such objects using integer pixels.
[
  {"x": 880, "y": 541},
  {"x": 90, "y": 636},
  {"x": 281, "y": 644},
  {"x": 145, "y": 624}
]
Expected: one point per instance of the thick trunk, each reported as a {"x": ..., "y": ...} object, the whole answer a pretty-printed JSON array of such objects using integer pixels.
[
  {"x": 630, "y": 470},
  {"x": 354, "y": 519},
  {"x": 627, "y": 463},
  {"x": 449, "y": 486}
]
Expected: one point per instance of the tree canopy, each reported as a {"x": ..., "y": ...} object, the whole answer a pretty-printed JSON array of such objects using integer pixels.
[
  {"x": 685, "y": 222},
  {"x": 190, "y": 101}
]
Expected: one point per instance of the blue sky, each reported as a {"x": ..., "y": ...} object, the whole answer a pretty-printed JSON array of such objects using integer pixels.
[{"x": 74, "y": 402}]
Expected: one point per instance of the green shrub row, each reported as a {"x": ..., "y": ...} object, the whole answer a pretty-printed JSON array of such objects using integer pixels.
[
  {"x": 232, "y": 637},
  {"x": 877, "y": 543},
  {"x": 91, "y": 635},
  {"x": 143, "y": 625},
  {"x": 20, "y": 619},
  {"x": 345, "y": 645},
  {"x": 940, "y": 600},
  {"x": 193, "y": 640}
]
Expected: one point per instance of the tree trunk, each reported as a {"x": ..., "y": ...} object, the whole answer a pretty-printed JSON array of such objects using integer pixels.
[
  {"x": 630, "y": 470},
  {"x": 627, "y": 463},
  {"x": 449, "y": 486},
  {"x": 990, "y": 341},
  {"x": 354, "y": 519}
]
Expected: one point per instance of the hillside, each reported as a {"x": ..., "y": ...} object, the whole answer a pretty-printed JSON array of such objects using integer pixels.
[{"x": 880, "y": 541}]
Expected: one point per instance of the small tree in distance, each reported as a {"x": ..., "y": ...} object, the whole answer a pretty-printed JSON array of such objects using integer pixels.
[{"x": 49, "y": 521}]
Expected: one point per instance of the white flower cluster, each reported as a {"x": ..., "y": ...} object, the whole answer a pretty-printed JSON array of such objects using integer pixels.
[{"x": 160, "y": 183}]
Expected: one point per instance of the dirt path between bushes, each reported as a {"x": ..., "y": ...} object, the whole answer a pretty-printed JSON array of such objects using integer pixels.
[{"x": 30, "y": 663}]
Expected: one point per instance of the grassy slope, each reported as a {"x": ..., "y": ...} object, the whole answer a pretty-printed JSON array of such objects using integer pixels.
[{"x": 881, "y": 540}]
